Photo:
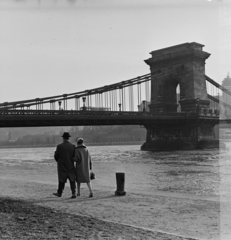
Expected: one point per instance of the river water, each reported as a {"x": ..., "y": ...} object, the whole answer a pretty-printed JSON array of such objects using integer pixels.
[{"x": 204, "y": 172}]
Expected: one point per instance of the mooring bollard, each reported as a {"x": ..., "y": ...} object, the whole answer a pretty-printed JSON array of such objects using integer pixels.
[{"x": 120, "y": 180}]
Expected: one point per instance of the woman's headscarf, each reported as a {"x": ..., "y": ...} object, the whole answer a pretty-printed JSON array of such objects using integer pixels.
[{"x": 79, "y": 141}]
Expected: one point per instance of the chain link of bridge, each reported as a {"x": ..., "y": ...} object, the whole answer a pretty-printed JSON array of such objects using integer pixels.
[
  {"x": 128, "y": 96},
  {"x": 177, "y": 104}
]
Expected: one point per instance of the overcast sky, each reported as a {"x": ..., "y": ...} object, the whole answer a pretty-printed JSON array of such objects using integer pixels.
[{"x": 50, "y": 47}]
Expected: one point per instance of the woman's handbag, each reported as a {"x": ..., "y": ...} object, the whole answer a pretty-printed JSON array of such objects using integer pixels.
[{"x": 92, "y": 176}]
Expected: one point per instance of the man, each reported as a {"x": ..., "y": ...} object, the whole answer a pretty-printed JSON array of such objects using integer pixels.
[{"x": 64, "y": 155}]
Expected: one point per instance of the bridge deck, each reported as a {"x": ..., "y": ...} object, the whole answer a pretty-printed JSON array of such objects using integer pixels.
[{"x": 32, "y": 118}]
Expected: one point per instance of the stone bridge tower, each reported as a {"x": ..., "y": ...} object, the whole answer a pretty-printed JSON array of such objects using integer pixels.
[{"x": 179, "y": 67}]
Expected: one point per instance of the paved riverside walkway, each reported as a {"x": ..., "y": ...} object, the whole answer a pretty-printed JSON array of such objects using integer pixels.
[{"x": 157, "y": 215}]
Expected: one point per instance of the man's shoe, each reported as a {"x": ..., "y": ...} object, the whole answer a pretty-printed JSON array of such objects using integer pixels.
[
  {"x": 57, "y": 194},
  {"x": 73, "y": 196},
  {"x": 91, "y": 195}
]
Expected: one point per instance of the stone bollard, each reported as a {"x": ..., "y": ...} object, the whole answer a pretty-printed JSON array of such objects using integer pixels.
[{"x": 120, "y": 180}]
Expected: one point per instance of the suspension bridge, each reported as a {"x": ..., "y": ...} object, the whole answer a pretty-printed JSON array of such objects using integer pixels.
[{"x": 177, "y": 103}]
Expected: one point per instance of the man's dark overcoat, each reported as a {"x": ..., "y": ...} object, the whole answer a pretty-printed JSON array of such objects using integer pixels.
[{"x": 64, "y": 155}]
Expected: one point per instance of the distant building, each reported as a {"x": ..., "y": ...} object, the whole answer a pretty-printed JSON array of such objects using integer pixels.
[
  {"x": 89, "y": 108},
  {"x": 226, "y": 112},
  {"x": 144, "y": 106},
  {"x": 226, "y": 98},
  {"x": 226, "y": 83}
]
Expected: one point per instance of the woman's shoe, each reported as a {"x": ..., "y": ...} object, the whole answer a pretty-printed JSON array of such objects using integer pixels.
[
  {"x": 78, "y": 194},
  {"x": 91, "y": 195},
  {"x": 57, "y": 194}
]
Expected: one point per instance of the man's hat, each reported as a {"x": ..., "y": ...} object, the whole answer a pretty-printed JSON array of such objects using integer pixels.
[{"x": 66, "y": 135}]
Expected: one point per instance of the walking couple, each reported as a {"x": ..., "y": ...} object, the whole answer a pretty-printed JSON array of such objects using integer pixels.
[{"x": 74, "y": 163}]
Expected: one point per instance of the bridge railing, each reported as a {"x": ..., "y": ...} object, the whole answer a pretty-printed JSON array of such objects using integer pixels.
[{"x": 86, "y": 113}]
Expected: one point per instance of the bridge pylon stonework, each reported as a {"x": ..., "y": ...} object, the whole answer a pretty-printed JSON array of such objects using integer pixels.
[{"x": 183, "y": 68}]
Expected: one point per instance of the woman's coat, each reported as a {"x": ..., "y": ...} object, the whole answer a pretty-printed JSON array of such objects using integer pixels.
[
  {"x": 64, "y": 156},
  {"x": 83, "y": 164}
]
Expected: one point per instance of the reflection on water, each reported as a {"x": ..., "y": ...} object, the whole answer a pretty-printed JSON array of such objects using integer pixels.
[{"x": 204, "y": 172}]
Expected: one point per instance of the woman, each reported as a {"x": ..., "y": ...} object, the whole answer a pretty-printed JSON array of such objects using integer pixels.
[{"x": 83, "y": 166}]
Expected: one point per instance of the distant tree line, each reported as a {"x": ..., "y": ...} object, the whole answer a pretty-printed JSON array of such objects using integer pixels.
[
  {"x": 110, "y": 133},
  {"x": 91, "y": 135}
]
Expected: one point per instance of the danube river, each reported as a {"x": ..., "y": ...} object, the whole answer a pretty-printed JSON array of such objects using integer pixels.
[{"x": 204, "y": 172}]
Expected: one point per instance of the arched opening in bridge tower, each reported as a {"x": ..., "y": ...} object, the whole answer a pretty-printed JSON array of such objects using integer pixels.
[{"x": 171, "y": 96}]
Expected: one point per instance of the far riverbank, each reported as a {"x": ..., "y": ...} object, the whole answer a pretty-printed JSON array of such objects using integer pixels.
[{"x": 87, "y": 144}]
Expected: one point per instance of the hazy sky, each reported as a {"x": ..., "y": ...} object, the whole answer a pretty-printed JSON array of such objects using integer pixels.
[{"x": 50, "y": 47}]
